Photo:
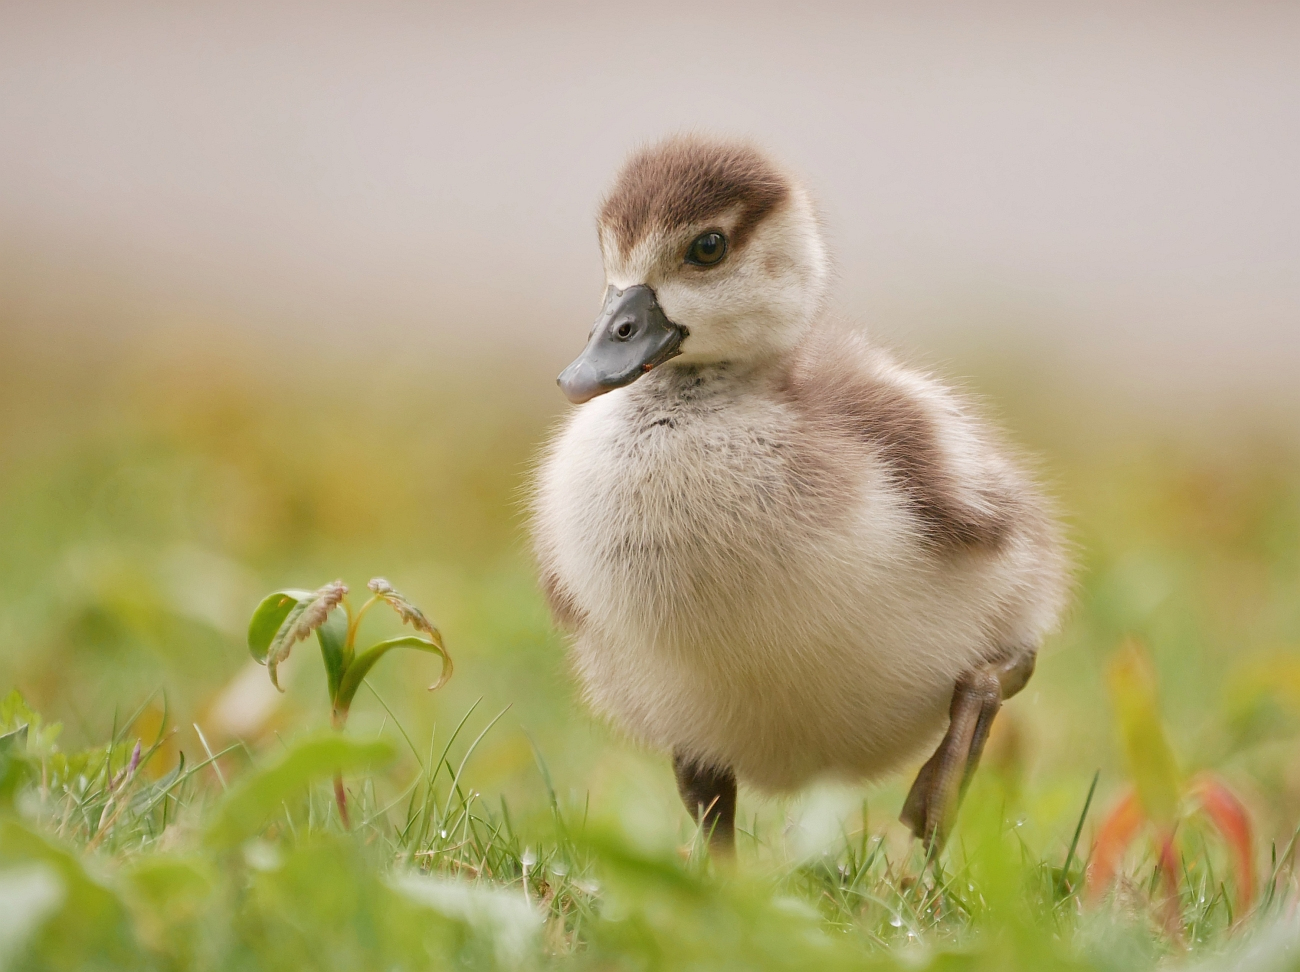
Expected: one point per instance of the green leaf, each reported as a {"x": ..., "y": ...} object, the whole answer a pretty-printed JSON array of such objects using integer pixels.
[
  {"x": 13, "y": 742},
  {"x": 273, "y": 613},
  {"x": 162, "y": 879},
  {"x": 172, "y": 898},
  {"x": 408, "y": 612},
  {"x": 502, "y": 916},
  {"x": 324, "y": 904},
  {"x": 365, "y": 661},
  {"x": 303, "y": 618},
  {"x": 247, "y": 806},
  {"x": 16, "y": 713},
  {"x": 268, "y": 617},
  {"x": 78, "y": 921},
  {"x": 333, "y": 636},
  {"x": 15, "y": 768}
]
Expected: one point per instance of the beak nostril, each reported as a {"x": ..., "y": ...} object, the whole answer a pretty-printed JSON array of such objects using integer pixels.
[{"x": 630, "y": 337}]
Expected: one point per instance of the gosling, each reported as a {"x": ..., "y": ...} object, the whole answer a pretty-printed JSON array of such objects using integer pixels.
[{"x": 778, "y": 553}]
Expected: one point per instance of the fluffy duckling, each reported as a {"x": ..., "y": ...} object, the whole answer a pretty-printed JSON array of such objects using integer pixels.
[{"x": 779, "y": 554}]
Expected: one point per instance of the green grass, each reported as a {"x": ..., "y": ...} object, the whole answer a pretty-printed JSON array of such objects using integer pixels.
[
  {"x": 177, "y": 872},
  {"x": 494, "y": 824}
]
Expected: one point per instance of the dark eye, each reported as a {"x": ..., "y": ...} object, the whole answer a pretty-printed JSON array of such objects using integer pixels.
[
  {"x": 707, "y": 249},
  {"x": 624, "y": 330}
]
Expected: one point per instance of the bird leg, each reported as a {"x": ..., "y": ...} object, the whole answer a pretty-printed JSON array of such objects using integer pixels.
[
  {"x": 931, "y": 804},
  {"x": 710, "y": 797}
]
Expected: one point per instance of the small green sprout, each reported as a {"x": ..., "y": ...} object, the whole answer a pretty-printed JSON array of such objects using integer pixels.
[{"x": 287, "y": 617}]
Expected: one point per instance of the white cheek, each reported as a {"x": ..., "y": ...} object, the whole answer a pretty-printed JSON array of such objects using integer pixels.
[
  {"x": 718, "y": 316},
  {"x": 744, "y": 318},
  {"x": 679, "y": 303}
]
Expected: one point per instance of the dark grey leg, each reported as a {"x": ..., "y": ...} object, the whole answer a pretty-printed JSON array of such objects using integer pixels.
[
  {"x": 710, "y": 797},
  {"x": 931, "y": 804}
]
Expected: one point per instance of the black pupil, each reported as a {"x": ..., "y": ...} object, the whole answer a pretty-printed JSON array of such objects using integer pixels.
[
  {"x": 624, "y": 329},
  {"x": 707, "y": 246}
]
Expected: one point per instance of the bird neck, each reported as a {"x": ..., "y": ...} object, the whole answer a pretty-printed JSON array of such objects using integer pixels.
[{"x": 699, "y": 381}]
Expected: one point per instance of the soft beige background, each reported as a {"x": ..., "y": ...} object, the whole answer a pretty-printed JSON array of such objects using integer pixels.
[{"x": 1111, "y": 185}]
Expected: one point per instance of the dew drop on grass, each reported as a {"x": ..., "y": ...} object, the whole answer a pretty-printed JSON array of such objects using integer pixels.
[{"x": 896, "y": 921}]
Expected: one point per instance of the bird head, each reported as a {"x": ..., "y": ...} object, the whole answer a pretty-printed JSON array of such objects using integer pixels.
[{"x": 712, "y": 253}]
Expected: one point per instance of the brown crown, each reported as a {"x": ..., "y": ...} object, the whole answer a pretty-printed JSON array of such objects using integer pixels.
[{"x": 688, "y": 180}]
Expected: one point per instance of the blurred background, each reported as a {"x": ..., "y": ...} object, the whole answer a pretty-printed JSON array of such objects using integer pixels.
[{"x": 284, "y": 289}]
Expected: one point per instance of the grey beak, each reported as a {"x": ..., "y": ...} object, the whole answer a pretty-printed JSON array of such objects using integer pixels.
[{"x": 631, "y": 336}]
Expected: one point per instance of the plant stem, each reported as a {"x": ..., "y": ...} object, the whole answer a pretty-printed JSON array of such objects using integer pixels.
[
  {"x": 340, "y": 718},
  {"x": 354, "y": 620},
  {"x": 341, "y": 798}
]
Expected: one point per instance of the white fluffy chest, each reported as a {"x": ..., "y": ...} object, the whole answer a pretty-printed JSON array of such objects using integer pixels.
[
  {"x": 667, "y": 512},
  {"x": 735, "y": 604}
]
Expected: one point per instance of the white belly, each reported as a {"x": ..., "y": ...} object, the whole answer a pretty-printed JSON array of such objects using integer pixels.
[{"x": 735, "y": 609}]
